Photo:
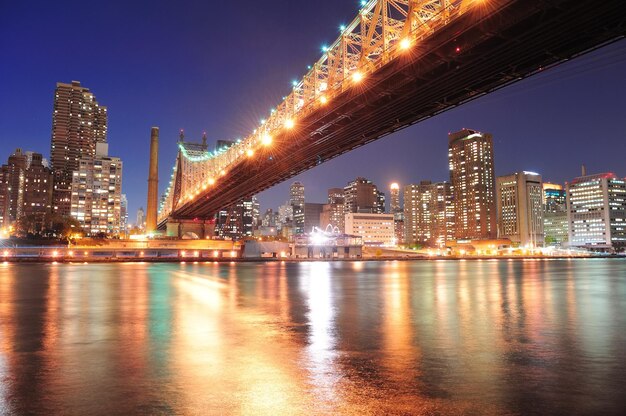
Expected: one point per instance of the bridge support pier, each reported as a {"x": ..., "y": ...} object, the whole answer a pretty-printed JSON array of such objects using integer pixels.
[{"x": 190, "y": 229}]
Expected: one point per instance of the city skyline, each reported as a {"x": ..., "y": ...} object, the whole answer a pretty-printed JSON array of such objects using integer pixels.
[{"x": 568, "y": 110}]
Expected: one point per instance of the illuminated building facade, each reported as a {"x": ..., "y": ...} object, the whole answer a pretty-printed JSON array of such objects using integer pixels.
[
  {"x": 25, "y": 191},
  {"x": 428, "y": 218},
  {"x": 362, "y": 196},
  {"x": 333, "y": 212},
  {"x": 374, "y": 229},
  {"x": 520, "y": 208},
  {"x": 395, "y": 208},
  {"x": 236, "y": 221},
  {"x": 596, "y": 211},
  {"x": 312, "y": 215},
  {"x": 78, "y": 123},
  {"x": 296, "y": 200},
  {"x": 470, "y": 156},
  {"x": 96, "y": 193},
  {"x": 554, "y": 214}
]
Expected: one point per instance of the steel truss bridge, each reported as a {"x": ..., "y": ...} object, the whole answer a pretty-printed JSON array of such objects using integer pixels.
[{"x": 397, "y": 63}]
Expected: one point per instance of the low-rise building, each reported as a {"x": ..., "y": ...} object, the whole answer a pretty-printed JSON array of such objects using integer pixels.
[{"x": 374, "y": 229}]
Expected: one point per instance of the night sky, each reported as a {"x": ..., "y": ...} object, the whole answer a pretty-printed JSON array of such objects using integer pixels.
[{"x": 219, "y": 66}]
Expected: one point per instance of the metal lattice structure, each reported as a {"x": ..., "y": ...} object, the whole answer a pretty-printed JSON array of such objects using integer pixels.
[
  {"x": 395, "y": 64},
  {"x": 382, "y": 30}
]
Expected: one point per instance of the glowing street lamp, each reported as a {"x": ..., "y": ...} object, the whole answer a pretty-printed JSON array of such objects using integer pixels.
[
  {"x": 357, "y": 76},
  {"x": 266, "y": 139},
  {"x": 289, "y": 123},
  {"x": 405, "y": 44}
]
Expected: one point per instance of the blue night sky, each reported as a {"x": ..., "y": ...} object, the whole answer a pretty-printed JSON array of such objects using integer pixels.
[{"x": 220, "y": 66}]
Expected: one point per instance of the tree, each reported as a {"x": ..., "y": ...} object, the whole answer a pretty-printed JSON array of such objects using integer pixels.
[{"x": 61, "y": 226}]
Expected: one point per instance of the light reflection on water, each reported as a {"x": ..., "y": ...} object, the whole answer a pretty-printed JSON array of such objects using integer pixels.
[{"x": 430, "y": 337}]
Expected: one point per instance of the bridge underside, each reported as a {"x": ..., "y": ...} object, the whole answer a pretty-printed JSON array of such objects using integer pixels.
[{"x": 519, "y": 39}]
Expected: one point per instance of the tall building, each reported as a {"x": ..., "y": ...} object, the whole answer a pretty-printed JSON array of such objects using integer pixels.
[
  {"x": 37, "y": 194},
  {"x": 375, "y": 229},
  {"x": 25, "y": 191},
  {"x": 361, "y": 195},
  {"x": 141, "y": 219},
  {"x": 312, "y": 214},
  {"x": 398, "y": 212},
  {"x": 236, "y": 221},
  {"x": 520, "y": 208},
  {"x": 96, "y": 193},
  {"x": 596, "y": 212},
  {"x": 394, "y": 195},
  {"x": 78, "y": 123},
  {"x": 470, "y": 155},
  {"x": 428, "y": 218},
  {"x": 123, "y": 213},
  {"x": 285, "y": 215},
  {"x": 333, "y": 213},
  {"x": 13, "y": 173},
  {"x": 554, "y": 214},
  {"x": 296, "y": 200}
]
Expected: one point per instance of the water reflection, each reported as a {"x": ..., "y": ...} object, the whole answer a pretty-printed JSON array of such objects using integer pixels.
[{"x": 478, "y": 337}]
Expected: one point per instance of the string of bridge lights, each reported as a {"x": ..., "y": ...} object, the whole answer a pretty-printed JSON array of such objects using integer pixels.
[{"x": 277, "y": 122}]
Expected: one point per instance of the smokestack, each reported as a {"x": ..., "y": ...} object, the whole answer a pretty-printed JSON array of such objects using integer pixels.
[
  {"x": 153, "y": 182},
  {"x": 584, "y": 171}
]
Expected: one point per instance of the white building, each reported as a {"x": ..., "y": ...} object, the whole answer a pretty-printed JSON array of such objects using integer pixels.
[
  {"x": 374, "y": 229},
  {"x": 596, "y": 211},
  {"x": 96, "y": 193},
  {"x": 519, "y": 199}
]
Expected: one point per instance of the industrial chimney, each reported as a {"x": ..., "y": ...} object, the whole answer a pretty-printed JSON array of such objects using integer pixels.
[{"x": 153, "y": 182}]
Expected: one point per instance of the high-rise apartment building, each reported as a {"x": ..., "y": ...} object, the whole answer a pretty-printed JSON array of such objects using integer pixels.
[
  {"x": 333, "y": 213},
  {"x": 596, "y": 211},
  {"x": 296, "y": 200},
  {"x": 236, "y": 221},
  {"x": 96, "y": 193},
  {"x": 361, "y": 195},
  {"x": 37, "y": 193},
  {"x": 554, "y": 214},
  {"x": 123, "y": 213},
  {"x": 470, "y": 155},
  {"x": 141, "y": 219},
  {"x": 396, "y": 209},
  {"x": 78, "y": 123},
  {"x": 428, "y": 218},
  {"x": 520, "y": 208},
  {"x": 312, "y": 215},
  {"x": 13, "y": 173},
  {"x": 394, "y": 195},
  {"x": 25, "y": 191}
]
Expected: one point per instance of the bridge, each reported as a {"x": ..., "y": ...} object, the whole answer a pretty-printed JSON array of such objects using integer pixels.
[{"x": 397, "y": 63}]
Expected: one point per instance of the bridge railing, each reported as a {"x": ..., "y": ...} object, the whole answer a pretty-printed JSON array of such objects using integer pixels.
[{"x": 382, "y": 31}]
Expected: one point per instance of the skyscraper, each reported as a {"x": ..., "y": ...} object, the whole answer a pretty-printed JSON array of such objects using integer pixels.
[
  {"x": 554, "y": 214},
  {"x": 398, "y": 212},
  {"x": 596, "y": 211},
  {"x": 78, "y": 123},
  {"x": 296, "y": 200},
  {"x": 470, "y": 155},
  {"x": 333, "y": 212},
  {"x": 428, "y": 218},
  {"x": 520, "y": 208},
  {"x": 141, "y": 219},
  {"x": 394, "y": 193},
  {"x": 96, "y": 193},
  {"x": 37, "y": 194},
  {"x": 362, "y": 195}
]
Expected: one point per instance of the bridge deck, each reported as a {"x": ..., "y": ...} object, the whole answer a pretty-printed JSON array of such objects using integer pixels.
[{"x": 518, "y": 39}]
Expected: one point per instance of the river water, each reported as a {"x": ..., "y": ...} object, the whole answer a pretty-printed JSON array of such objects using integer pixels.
[{"x": 425, "y": 337}]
